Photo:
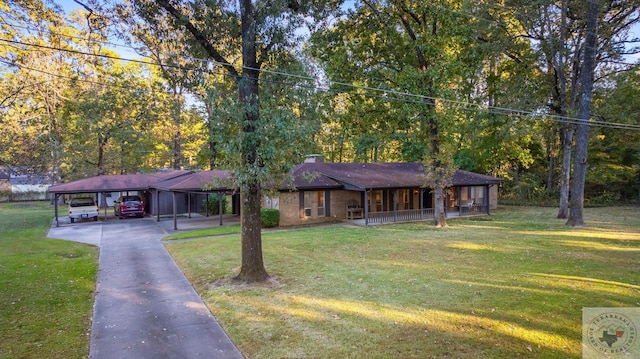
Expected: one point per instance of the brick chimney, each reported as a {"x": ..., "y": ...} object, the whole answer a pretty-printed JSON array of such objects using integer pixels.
[{"x": 314, "y": 158}]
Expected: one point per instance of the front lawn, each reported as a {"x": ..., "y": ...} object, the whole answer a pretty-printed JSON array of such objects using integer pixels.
[
  {"x": 46, "y": 287},
  {"x": 512, "y": 284}
]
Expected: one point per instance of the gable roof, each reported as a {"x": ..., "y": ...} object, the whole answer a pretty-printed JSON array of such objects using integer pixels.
[{"x": 361, "y": 176}]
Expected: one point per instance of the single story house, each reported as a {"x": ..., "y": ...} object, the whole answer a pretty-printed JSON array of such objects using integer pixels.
[
  {"x": 367, "y": 193},
  {"x": 378, "y": 193}
]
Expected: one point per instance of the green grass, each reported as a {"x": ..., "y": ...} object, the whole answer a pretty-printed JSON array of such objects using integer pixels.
[
  {"x": 504, "y": 286},
  {"x": 46, "y": 287},
  {"x": 205, "y": 232}
]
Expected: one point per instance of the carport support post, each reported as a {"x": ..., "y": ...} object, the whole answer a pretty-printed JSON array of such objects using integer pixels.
[
  {"x": 104, "y": 203},
  {"x": 157, "y": 205},
  {"x": 220, "y": 206},
  {"x": 55, "y": 206},
  {"x": 175, "y": 211},
  {"x": 189, "y": 204},
  {"x": 206, "y": 201}
]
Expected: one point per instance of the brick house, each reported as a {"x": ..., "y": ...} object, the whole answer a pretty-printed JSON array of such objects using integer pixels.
[{"x": 377, "y": 193}]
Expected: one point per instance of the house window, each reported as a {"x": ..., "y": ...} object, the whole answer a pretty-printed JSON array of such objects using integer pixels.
[
  {"x": 313, "y": 202},
  {"x": 308, "y": 197},
  {"x": 377, "y": 195},
  {"x": 404, "y": 199},
  {"x": 321, "y": 211},
  {"x": 477, "y": 194}
]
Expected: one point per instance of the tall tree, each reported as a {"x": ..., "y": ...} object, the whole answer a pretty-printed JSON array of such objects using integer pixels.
[
  {"x": 157, "y": 40},
  {"x": 34, "y": 85},
  {"x": 425, "y": 49},
  {"x": 558, "y": 33},
  {"x": 260, "y": 31},
  {"x": 576, "y": 216}
]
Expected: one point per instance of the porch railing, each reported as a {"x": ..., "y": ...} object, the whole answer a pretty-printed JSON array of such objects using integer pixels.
[
  {"x": 400, "y": 216},
  {"x": 472, "y": 210}
]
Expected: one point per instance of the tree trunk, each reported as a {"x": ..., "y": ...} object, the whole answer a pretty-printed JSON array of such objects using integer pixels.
[
  {"x": 576, "y": 215},
  {"x": 252, "y": 269},
  {"x": 567, "y": 131},
  {"x": 102, "y": 144},
  {"x": 177, "y": 135},
  {"x": 567, "y": 141},
  {"x": 439, "y": 214},
  {"x": 177, "y": 151},
  {"x": 553, "y": 155}
]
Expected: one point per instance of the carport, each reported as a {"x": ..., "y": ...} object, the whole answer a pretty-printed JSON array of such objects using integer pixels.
[
  {"x": 174, "y": 182},
  {"x": 111, "y": 183},
  {"x": 204, "y": 182}
]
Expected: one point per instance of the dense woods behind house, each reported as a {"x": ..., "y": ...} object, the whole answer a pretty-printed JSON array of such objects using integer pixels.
[{"x": 491, "y": 87}]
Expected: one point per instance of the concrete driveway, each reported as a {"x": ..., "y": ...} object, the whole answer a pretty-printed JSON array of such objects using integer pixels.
[{"x": 144, "y": 305}]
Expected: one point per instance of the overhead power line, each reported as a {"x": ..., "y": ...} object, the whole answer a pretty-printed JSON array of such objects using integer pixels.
[{"x": 386, "y": 94}]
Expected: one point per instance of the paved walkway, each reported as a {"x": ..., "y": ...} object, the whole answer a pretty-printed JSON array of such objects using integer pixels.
[{"x": 144, "y": 305}]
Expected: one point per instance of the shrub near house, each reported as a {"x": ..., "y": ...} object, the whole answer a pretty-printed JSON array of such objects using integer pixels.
[{"x": 269, "y": 217}]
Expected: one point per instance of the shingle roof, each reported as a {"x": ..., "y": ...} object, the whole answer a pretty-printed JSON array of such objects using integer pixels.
[
  {"x": 319, "y": 175},
  {"x": 115, "y": 183},
  {"x": 361, "y": 176},
  {"x": 199, "y": 181}
]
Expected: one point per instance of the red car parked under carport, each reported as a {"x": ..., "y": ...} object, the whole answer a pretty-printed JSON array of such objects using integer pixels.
[{"x": 128, "y": 206}]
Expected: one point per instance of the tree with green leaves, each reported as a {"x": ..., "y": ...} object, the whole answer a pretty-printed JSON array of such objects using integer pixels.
[
  {"x": 259, "y": 33},
  {"x": 558, "y": 33},
  {"x": 156, "y": 40},
  {"x": 35, "y": 82},
  {"x": 424, "y": 49}
]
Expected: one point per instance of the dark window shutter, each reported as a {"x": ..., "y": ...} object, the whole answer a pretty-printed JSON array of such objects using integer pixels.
[
  {"x": 301, "y": 200},
  {"x": 327, "y": 203}
]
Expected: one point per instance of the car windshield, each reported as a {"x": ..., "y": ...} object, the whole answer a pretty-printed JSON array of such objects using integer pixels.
[{"x": 131, "y": 199}]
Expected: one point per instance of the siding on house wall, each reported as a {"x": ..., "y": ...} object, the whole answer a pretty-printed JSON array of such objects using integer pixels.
[
  {"x": 493, "y": 197},
  {"x": 5, "y": 190},
  {"x": 339, "y": 200},
  {"x": 29, "y": 192},
  {"x": 289, "y": 208},
  {"x": 289, "y": 203}
]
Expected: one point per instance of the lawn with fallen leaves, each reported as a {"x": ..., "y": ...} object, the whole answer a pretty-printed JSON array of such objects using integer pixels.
[
  {"x": 512, "y": 284},
  {"x": 46, "y": 287}
]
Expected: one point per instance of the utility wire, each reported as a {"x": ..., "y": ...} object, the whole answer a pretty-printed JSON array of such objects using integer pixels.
[{"x": 390, "y": 95}]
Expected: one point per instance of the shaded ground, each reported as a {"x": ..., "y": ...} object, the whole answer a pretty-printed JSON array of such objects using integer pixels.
[{"x": 144, "y": 306}]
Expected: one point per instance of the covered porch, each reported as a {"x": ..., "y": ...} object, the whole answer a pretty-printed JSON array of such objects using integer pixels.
[{"x": 416, "y": 204}]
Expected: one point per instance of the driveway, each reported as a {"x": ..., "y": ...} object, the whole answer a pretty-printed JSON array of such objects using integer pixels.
[{"x": 144, "y": 305}]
